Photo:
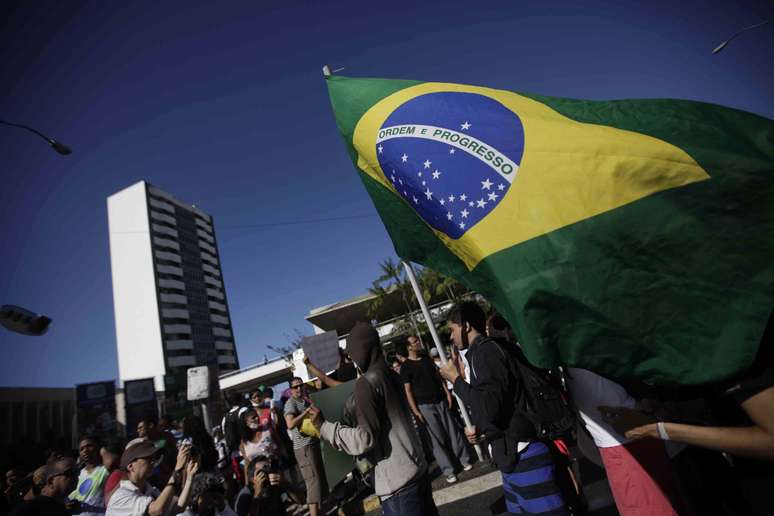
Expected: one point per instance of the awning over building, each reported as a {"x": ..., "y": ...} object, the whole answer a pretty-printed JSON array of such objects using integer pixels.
[
  {"x": 343, "y": 315},
  {"x": 270, "y": 373}
]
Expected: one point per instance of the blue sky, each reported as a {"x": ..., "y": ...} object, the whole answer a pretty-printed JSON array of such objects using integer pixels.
[{"x": 224, "y": 106}]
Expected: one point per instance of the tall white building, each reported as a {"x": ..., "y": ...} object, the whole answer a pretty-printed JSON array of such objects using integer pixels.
[{"x": 170, "y": 304}]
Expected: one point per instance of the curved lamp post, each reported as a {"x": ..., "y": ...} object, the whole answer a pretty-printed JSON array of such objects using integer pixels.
[
  {"x": 726, "y": 42},
  {"x": 60, "y": 147},
  {"x": 21, "y": 320}
]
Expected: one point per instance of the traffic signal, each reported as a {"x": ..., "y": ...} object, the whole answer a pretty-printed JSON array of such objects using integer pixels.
[{"x": 21, "y": 320}]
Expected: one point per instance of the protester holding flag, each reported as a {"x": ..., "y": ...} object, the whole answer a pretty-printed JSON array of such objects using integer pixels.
[{"x": 528, "y": 469}]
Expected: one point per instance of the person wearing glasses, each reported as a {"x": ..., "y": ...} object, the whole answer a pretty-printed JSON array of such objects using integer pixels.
[
  {"x": 136, "y": 497},
  {"x": 306, "y": 448},
  {"x": 61, "y": 477}
]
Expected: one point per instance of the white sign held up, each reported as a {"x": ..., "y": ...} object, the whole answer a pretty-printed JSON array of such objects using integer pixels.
[
  {"x": 198, "y": 383},
  {"x": 322, "y": 350}
]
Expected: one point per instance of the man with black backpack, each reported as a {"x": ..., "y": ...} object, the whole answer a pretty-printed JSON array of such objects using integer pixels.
[
  {"x": 231, "y": 434},
  {"x": 508, "y": 413}
]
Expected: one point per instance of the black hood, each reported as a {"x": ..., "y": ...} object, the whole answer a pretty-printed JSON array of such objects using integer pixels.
[{"x": 364, "y": 347}]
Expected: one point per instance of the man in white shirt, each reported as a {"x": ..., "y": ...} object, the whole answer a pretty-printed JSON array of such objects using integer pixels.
[{"x": 135, "y": 497}]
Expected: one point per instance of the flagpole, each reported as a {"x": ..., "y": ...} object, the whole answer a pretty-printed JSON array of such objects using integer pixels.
[{"x": 437, "y": 341}]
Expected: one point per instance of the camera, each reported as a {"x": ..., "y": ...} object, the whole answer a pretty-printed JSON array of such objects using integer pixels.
[
  {"x": 193, "y": 452},
  {"x": 271, "y": 467}
]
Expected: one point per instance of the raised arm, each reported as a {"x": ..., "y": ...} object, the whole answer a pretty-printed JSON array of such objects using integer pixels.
[
  {"x": 316, "y": 371},
  {"x": 755, "y": 441}
]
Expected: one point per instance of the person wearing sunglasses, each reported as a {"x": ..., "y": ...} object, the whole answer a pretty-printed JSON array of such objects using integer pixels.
[
  {"x": 61, "y": 477},
  {"x": 305, "y": 447},
  {"x": 136, "y": 497}
]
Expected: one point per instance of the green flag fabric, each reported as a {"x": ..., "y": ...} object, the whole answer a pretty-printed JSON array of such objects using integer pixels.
[{"x": 634, "y": 238}]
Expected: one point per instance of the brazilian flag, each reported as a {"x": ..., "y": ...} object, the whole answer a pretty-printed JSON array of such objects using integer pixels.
[{"x": 634, "y": 238}]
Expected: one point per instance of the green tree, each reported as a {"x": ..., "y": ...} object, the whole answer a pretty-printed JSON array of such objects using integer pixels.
[
  {"x": 435, "y": 285},
  {"x": 294, "y": 343},
  {"x": 393, "y": 279}
]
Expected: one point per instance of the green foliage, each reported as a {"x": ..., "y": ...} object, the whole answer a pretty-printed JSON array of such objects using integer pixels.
[{"x": 434, "y": 286}]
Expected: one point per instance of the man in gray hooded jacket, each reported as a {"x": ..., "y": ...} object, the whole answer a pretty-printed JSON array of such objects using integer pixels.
[{"x": 385, "y": 433}]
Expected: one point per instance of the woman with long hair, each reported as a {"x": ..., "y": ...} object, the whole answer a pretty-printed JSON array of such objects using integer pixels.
[{"x": 201, "y": 441}]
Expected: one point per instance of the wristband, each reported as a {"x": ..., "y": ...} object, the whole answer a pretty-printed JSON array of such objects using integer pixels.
[{"x": 662, "y": 433}]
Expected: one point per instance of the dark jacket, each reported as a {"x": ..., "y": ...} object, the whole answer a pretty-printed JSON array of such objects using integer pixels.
[
  {"x": 384, "y": 432},
  {"x": 493, "y": 395}
]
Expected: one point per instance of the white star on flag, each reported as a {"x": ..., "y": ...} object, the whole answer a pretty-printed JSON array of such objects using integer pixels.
[
  {"x": 416, "y": 201},
  {"x": 400, "y": 180},
  {"x": 465, "y": 126},
  {"x": 501, "y": 187},
  {"x": 419, "y": 174},
  {"x": 436, "y": 174},
  {"x": 451, "y": 151},
  {"x": 380, "y": 149},
  {"x": 428, "y": 163},
  {"x": 404, "y": 158},
  {"x": 428, "y": 194},
  {"x": 470, "y": 204},
  {"x": 486, "y": 185},
  {"x": 462, "y": 225},
  {"x": 449, "y": 216},
  {"x": 481, "y": 203},
  {"x": 493, "y": 196},
  {"x": 393, "y": 178},
  {"x": 463, "y": 197},
  {"x": 464, "y": 214},
  {"x": 424, "y": 183},
  {"x": 451, "y": 198},
  {"x": 442, "y": 202}
]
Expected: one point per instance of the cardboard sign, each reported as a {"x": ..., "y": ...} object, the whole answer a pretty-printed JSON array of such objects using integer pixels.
[
  {"x": 198, "y": 383},
  {"x": 331, "y": 402},
  {"x": 322, "y": 350}
]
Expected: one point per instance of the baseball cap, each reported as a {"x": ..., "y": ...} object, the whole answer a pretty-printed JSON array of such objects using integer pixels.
[
  {"x": 141, "y": 450},
  {"x": 61, "y": 467}
]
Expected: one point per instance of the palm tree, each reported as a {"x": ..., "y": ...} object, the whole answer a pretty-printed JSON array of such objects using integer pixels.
[
  {"x": 393, "y": 277},
  {"x": 434, "y": 284}
]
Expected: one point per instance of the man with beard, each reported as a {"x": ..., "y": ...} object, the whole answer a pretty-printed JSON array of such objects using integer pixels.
[{"x": 384, "y": 432}]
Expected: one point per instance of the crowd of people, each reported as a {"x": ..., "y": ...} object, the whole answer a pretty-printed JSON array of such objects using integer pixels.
[{"x": 660, "y": 448}]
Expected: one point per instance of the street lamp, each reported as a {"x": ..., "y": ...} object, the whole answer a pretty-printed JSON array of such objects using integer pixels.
[
  {"x": 21, "y": 320},
  {"x": 726, "y": 42},
  {"x": 60, "y": 147}
]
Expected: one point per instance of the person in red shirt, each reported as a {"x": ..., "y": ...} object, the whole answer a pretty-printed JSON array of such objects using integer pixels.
[{"x": 111, "y": 458}]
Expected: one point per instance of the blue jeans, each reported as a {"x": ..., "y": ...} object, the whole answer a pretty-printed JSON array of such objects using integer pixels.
[{"x": 415, "y": 499}]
